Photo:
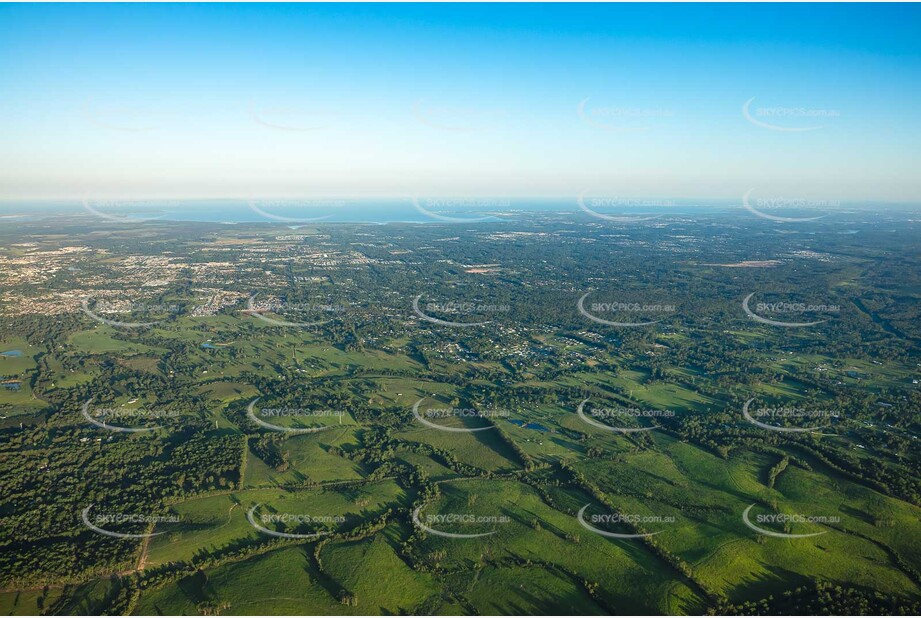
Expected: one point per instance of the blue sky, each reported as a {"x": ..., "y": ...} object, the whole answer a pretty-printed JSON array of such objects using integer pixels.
[{"x": 511, "y": 100}]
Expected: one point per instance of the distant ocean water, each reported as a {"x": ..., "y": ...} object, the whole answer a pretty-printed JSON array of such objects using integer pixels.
[
  {"x": 220, "y": 211},
  {"x": 280, "y": 211},
  {"x": 293, "y": 212}
]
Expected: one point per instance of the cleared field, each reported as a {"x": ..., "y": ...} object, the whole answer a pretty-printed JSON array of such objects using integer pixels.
[
  {"x": 534, "y": 591},
  {"x": 100, "y": 340},
  {"x": 285, "y": 581},
  {"x": 637, "y": 387},
  {"x": 28, "y": 602},
  {"x": 17, "y": 356},
  {"x": 372, "y": 572},
  {"x": 629, "y": 577},
  {"x": 707, "y": 496},
  {"x": 17, "y": 365},
  {"x": 215, "y": 523},
  {"x": 483, "y": 449},
  {"x": 308, "y": 460},
  {"x": 435, "y": 470}
]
